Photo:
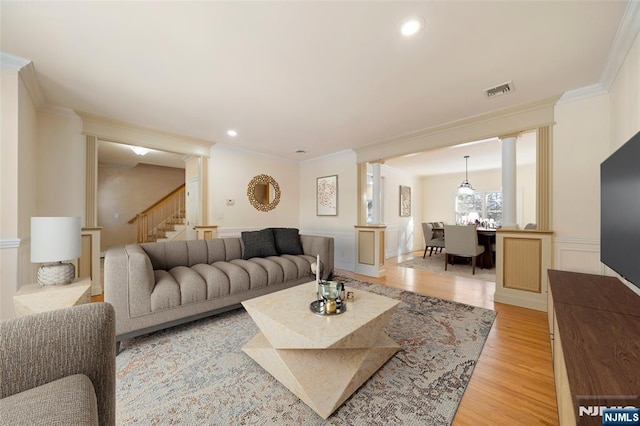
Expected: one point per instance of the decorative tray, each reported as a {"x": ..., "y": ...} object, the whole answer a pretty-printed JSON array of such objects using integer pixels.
[{"x": 318, "y": 309}]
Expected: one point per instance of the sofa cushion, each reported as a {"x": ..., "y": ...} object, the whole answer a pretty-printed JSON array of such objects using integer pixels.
[
  {"x": 258, "y": 244},
  {"x": 67, "y": 401},
  {"x": 287, "y": 241}
]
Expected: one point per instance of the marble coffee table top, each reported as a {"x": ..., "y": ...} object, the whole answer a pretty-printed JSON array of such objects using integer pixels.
[{"x": 287, "y": 322}]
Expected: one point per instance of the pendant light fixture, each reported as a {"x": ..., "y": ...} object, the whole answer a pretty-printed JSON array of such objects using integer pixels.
[{"x": 465, "y": 187}]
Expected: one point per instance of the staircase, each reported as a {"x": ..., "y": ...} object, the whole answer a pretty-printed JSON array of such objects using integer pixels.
[{"x": 165, "y": 220}]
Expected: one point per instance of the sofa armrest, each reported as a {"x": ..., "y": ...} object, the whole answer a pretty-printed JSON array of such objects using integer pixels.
[
  {"x": 313, "y": 245},
  {"x": 40, "y": 348},
  {"x": 128, "y": 282}
]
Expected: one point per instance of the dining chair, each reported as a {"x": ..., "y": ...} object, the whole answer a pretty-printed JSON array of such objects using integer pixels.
[
  {"x": 431, "y": 240},
  {"x": 462, "y": 241}
]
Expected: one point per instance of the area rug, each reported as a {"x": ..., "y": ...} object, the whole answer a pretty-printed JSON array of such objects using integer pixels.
[
  {"x": 196, "y": 374},
  {"x": 435, "y": 264}
]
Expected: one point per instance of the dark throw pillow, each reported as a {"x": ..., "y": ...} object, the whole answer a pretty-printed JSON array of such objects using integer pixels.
[
  {"x": 287, "y": 241},
  {"x": 258, "y": 244}
]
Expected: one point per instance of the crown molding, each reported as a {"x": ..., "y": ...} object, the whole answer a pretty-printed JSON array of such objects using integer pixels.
[
  {"x": 255, "y": 154},
  {"x": 481, "y": 126},
  {"x": 12, "y": 62},
  {"x": 582, "y": 93},
  {"x": 59, "y": 110},
  {"x": 110, "y": 130},
  {"x": 628, "y": 30},
  {"x": 626, "y": 35},
  {"x": 330, "y": 156},
  {"x": 26, "y": 71},
  {"x": 30, "y": 80}
]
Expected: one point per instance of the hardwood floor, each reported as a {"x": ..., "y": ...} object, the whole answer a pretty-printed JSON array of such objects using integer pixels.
[{"x": 512, "y": 384}]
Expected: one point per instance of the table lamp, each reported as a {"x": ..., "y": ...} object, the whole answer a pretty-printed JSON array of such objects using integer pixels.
[{"x": 54, "y": 239}]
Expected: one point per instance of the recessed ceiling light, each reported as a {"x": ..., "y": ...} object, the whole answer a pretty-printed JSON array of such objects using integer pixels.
[
  {"x": 300, "y": 151},
  {"x": 232, "y": 133},
  {"x": 411, "y": 26},
  {"x": 139, "y": 150}
]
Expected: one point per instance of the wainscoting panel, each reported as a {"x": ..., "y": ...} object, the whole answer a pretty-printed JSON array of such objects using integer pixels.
[
  {"x": 522, "y": 264},
  {"x": 577, "y": 255}
]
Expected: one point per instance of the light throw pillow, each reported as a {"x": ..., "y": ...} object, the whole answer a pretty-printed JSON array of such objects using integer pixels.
[
  {"x": 258, "y": 244},
  {"x": 287, "y": 241}
]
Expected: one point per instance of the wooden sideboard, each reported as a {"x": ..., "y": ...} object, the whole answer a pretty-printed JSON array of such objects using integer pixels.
[{"x": 594, "y": 324}]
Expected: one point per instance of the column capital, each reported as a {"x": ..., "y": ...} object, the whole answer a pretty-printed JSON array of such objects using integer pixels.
[
  {"x": 376, "y": 162},
  {"x": 510, "y": 135}
]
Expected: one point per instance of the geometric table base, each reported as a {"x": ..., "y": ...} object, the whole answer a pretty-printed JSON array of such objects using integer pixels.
[
  {"x": 321, "y": 359},
  {"x": 322, "y": 378}
]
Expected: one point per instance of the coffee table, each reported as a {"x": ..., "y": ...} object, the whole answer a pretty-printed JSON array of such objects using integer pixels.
[{"x": 321, "y": 359}]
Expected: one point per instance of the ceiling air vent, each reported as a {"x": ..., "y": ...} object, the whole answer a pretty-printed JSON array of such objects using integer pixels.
[{"x": 500, "y": 89}]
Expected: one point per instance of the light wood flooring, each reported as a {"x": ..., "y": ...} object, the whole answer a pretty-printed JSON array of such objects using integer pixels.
[{"x": 512, "y": 384}]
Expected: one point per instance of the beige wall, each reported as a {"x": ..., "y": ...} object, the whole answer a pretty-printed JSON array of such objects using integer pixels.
[
  {"x": 61, "y": 163},
  {"x": 340, "y": 227},
  {"x": 229, "y": 174},
  {"x": 124, "y": 192},
  {"x": 438, "y": 193},
  {"x": 625, "y": 99},
  {"x": 403, "y": 234},
  {"x": 586, "y": 133},
  {"x": 18, "y": 193}
]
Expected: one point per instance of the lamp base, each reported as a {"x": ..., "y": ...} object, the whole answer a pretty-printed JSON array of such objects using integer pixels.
[{"x": 56, "y": 274}]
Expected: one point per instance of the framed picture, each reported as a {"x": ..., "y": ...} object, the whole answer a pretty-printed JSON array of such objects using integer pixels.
[
  {"x": 405, "y": 201},
  {"x": 327, "y": 196}
]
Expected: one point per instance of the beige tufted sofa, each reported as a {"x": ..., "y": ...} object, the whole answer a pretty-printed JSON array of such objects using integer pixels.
[{"x": 153, "y": 286}]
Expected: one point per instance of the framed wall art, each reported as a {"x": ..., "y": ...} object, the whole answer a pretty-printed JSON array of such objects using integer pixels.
[
  {"x": 405, "y": 201},
  {"x": 327, "y": 196}
]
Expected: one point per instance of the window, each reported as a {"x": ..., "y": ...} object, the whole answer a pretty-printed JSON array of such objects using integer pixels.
[{"x": 486, "y": 207}]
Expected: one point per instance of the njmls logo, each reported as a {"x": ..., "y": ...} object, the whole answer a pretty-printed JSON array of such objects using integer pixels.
[
  {"x": 598, "y": 410},
  {"x": 621, "y": 417},
  {"x": 612, "y": 416}
]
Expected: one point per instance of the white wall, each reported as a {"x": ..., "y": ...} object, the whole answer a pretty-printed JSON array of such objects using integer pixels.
[
  {"x": 403, "y": 234},
  {"x": 340, "y": 227},
  {"x": 230, "y": 171}
]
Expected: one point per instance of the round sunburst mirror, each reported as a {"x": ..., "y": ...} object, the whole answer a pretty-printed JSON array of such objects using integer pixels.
[{"x": 263, "y": 192}]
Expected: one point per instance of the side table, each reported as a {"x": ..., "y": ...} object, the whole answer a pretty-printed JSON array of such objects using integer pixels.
[{"x": 34, "y": 298}]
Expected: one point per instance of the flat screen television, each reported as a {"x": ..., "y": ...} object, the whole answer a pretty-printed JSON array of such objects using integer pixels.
[{"x": 620, "y": 211}]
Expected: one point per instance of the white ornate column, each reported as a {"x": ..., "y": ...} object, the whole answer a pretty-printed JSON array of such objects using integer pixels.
[
  {"x": 377, "y": 193},
  {"x": 509, "y": 172}
]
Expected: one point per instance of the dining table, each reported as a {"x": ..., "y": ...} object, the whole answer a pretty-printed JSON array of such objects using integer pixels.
[{"x": 486, "y": 238}]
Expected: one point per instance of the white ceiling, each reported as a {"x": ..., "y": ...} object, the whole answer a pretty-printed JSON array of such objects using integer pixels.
[
  {"x": 318, "y": 76},
  {"x": 483, "y": 155},
  {"x": 120, "y": 155}
]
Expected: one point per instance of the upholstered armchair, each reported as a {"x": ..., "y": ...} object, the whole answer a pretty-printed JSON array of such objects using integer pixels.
[
  {"x": 431, "y": 240},
  {"x": 58, "y": 367},
  {"x": 462, "y": 241}
]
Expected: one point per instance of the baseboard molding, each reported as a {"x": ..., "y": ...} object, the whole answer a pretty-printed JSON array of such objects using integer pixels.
[{"x": 524, "y": 303}]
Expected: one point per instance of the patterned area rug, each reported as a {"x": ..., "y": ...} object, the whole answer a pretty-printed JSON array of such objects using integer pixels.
[
  {"x": 435, "y": 264},
  {"x": 197, "y": 374}
]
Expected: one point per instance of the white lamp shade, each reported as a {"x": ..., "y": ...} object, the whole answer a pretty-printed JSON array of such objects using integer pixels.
[{"x": 55, "y": 239}]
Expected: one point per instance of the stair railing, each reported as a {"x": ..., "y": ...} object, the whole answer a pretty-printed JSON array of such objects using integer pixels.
[{"x": 160, "y": 217}]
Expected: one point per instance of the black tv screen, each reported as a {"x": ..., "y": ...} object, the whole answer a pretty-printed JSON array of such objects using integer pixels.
[{"x": 620, "y": 211}]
